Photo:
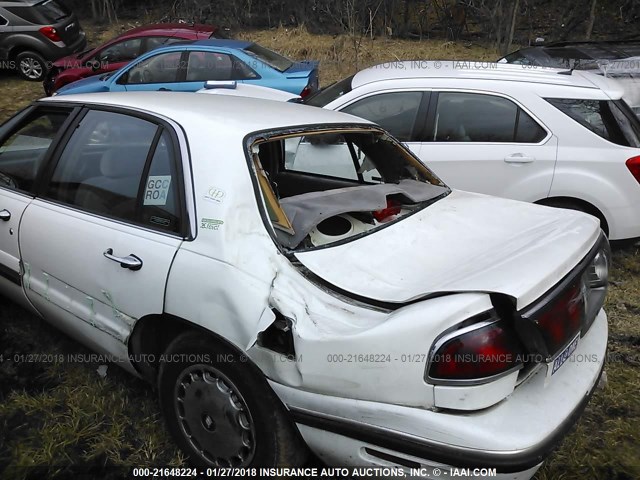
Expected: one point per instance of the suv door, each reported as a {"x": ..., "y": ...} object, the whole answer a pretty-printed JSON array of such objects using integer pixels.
[
  {"x": 487, "y": 143},
  {"x": 25, "y": 142},
  {"x": 99, "y": 239}
]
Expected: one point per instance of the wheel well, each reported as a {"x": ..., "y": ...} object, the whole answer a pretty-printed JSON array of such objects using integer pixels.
[
  {"x": 152, "y": 335},
  {"x": 576, "y": 204},
  {"x": 17, "y": 50}
]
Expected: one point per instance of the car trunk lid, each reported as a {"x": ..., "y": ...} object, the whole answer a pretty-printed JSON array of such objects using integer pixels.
[{"x": 464, "y": 242}]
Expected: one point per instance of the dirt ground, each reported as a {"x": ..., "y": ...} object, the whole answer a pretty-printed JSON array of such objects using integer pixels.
[{"x": 57, "y": 411}]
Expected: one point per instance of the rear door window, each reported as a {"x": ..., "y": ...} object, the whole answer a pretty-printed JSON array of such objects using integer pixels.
[
  {"x": 162, "y": 68},
  {"x": 481, "y": 118},
  {"x": 3, "y": 21},
  {"x": 612, "y": 120},
  {"x": 121, "y": 167},
  {"x": 396, "y": 112},
  {"x": 124, "y": 51},
  {"x": 203, "y": 66}
]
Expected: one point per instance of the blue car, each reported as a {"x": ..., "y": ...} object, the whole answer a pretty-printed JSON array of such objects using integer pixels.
[{"x": 186, "y": 66}]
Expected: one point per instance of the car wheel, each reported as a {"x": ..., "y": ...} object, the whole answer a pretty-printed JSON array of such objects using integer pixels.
[
  {"x": 31, "y": 66},
  {"x": 220, "y": 408}
]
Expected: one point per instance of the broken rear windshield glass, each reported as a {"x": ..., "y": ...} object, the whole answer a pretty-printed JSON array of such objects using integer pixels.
[{"x": 327, "y": 186}]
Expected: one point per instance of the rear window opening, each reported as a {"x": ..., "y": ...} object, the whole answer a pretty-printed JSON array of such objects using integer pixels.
[
  {"x": 612, "y": 120},
  {"x": 330, "y": 186}
]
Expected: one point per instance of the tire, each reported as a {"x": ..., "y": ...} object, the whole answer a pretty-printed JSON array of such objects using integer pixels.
[
  {"x": 31, "y": 66},
  {"x": 220, "y": 409}
]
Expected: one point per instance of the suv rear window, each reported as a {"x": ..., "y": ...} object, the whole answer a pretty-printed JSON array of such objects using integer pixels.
[
  {"x": 49, "y": 11},
  {"x": 330, "y": 93},
  {"x": 612, "y": 120}
]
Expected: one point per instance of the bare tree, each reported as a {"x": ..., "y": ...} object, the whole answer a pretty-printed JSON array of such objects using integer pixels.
[
  {"x": 592, "y": 19},
  {"x": 512, "y": 28}
]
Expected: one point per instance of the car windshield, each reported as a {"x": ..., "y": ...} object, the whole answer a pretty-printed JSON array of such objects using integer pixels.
[
  {"x": 321, "y": 187},
  {"x": 330, "y": 93},
  {"x": 49, "y": 11},
  {"x": 273, "y": 59}
]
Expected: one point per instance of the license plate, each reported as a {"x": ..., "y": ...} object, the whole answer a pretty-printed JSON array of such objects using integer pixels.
[{"x": 564, "y": 355}]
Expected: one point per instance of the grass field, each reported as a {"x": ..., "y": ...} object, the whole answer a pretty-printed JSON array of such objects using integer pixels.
[{"x": 64, "y": 413}]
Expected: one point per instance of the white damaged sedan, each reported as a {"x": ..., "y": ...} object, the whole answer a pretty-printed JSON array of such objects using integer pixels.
[{"x": 292, "y": 277}]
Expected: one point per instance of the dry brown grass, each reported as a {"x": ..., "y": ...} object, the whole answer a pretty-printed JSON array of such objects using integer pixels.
[{"x": 337, "y": 54}]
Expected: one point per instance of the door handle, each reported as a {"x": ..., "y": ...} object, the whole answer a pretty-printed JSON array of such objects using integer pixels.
[
  {"x": 5, "y": 215},
  {"x": 162, "y": 89},
  {"x": 131, "y": 261},
  {"x": 519, "y": 158}
]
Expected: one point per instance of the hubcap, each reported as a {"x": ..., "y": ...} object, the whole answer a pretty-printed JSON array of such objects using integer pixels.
[
  {"x": 31, "y": 67},
  {"x": 214, "y": 417}
]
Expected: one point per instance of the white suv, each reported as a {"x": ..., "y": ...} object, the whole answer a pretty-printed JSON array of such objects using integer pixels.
[{"x": 528, "y": 133}]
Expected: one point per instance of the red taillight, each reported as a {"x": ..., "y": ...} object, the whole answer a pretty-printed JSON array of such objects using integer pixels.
[
  {"x": 561, "y": 321},
  {"x": 51, "y": 33},
  {"x": 393, "y": 208},
  {"x": 306, "y": 91},
  {"x": 477, "y": 354},
  {"x": 633, "y": 164}
]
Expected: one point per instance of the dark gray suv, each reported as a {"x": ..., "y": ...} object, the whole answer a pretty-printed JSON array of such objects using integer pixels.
[{"x": 34, "y": 33}]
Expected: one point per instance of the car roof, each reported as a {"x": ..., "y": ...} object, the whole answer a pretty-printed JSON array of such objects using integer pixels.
[
  {"x": 590, "y": 49},
  {"x": 233, "y": 114},
  {"x": 223, "y": 43},
  {"x": 481, "y": 70},
  {"x": 151, "y": 29}
]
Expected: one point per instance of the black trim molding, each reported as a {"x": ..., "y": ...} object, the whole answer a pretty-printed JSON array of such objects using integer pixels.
[{"x": 11, "y": 275}]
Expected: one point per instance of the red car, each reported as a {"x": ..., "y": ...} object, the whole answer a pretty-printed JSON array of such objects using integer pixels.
[{"x": 116, "y": 53}]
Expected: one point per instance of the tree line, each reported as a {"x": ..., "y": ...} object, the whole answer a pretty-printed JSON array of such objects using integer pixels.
[{"x": 499, "y": 21}]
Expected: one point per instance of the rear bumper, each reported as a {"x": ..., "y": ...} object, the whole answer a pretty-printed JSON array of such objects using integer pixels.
[{"x": 514, "y": 436}]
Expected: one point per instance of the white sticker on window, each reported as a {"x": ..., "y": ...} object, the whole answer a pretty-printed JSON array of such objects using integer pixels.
[{"x": 157, "y": 190}]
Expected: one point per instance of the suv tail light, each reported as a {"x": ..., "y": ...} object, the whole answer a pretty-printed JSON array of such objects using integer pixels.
[
  {"x": 633, "y": 164},
  {"x": 51, "y": 33},
  {"x": 476, "y": 353}
]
